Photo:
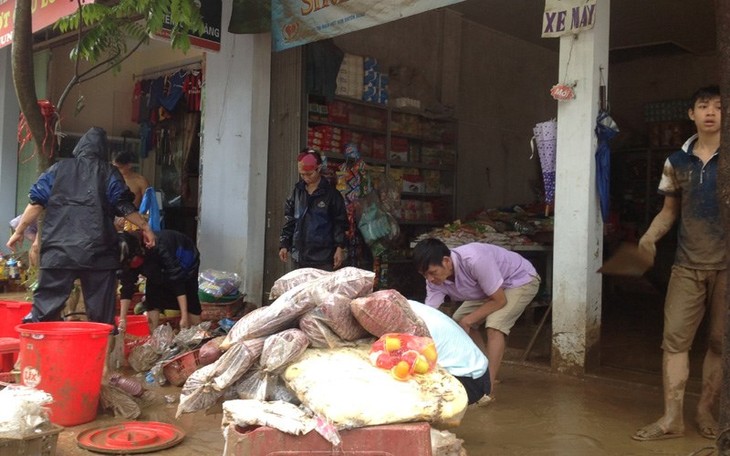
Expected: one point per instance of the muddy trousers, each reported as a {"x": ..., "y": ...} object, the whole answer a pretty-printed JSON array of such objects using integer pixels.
[{"x": 54, "y": 288}]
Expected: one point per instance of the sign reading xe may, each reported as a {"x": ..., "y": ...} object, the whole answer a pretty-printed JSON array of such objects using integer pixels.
[
  {"x": 45, "y": 13},
  {"x": 562, "y": 17}
]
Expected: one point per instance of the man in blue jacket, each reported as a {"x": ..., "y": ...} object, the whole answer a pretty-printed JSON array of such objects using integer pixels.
[
  {"x": 80, "y": 198},
  {"x": 171, "y": 272}
]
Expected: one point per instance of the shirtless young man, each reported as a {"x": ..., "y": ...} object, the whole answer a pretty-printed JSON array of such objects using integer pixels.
[{"x": 136, "y": 182}]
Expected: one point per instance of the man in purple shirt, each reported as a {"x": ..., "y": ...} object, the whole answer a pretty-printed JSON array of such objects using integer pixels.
[{"x": 494, "y": 284}]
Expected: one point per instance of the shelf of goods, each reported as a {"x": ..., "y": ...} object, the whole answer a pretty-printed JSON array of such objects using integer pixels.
[
  {"x": 638, "y": 171},
  {"x": 414, "y": 153}
]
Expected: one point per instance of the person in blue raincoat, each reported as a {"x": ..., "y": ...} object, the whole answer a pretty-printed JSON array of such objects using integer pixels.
[
  {"x": 171, "y": 272},
  {"x": 80, "y": 198},
  {"x": 316, "y": 220}
]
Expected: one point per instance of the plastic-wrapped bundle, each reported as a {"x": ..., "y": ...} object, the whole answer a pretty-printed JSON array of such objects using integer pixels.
[
  {"x": 337, "y": 314},
  {"x": 207, "y": 384},
  {"x": 294, "y": 278},
  {"x": 210, "y": 351},
  {"x": 256, "y": 384},
  {"x": 281, "y": 349},
  {"x": 218, "y": 283},
  {"x": 286, "y": 309},
  {"x": 387, "y": 311},
  {"x": 318, "y": 333}
]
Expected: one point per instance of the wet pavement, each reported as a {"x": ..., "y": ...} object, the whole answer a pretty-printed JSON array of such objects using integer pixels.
[{"x": 535, "y": 413}]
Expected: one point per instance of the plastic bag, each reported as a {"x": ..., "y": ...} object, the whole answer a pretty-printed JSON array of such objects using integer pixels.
[
  {"x": 218, "y": 283},
  {"x": 149, "y": 207},
  {"x": 280, "y": 415},
  {"x": 287, "y": 308},
  {"x": 376, "y": 225},
  {"x": 294, "y": 278},
  {"x": 404, "y": 355},
  {"x": 207, "y": 384},
  {"x": 387, "y": 311},
  {"x": 23, "y": 410},
  {"x": 193, "y": 336},
  {"x": 29, "y": 233},
  {"x": 319, "y": 334}
]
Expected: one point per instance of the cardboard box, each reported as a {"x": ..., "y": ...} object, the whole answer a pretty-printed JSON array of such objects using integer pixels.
[{"x": 413, "y": 184}]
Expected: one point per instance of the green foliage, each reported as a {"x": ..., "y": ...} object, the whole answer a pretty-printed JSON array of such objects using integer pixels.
[{"x": 107, "y": 28}]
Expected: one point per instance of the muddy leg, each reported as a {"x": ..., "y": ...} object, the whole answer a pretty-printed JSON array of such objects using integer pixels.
[
  {"x": 675, "y": 374},
  {"x": 711, "y": 386},
  {"x": 153, "y": 319}
]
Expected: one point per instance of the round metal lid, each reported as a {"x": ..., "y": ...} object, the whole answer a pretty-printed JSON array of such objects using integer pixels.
[{"x": 131, "y": 437}]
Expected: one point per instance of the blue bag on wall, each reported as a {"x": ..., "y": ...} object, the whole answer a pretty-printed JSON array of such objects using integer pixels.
[{"x": 149, "y": 207}]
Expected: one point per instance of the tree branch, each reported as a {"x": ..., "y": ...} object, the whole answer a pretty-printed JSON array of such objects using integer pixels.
[{"x": 24, "y": 79}]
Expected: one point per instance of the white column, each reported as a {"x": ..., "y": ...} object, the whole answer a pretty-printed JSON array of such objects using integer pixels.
[
  {"x": 9, "y": 111},
  {"x": 234, "y": 157},
  {"x": 578, "y": 244}
]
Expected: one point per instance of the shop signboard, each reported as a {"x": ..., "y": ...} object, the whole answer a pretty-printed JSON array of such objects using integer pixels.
[
  {"x": 45, "y": 13},
  {"x": 297, "y": 22},
  {"x": 210, "y": 40},
  {"x": 563, "y": 17}
]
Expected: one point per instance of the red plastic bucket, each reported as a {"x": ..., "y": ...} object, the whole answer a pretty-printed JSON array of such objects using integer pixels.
[
  {"x": 137, "y": 325},
  {"x": 65, "y": 359},
  {"x": 11, "y": 314}
]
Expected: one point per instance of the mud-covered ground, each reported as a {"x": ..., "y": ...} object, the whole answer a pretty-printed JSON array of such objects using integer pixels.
[{"x": 535, "y": 413}]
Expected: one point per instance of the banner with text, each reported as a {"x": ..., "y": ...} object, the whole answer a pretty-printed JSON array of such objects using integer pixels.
[
  {"x": 210, "y": 40},
  {"x": 45, "y": 13},
  {"x": 297, "y": 22},
  {"x": 562, "y": 17}
]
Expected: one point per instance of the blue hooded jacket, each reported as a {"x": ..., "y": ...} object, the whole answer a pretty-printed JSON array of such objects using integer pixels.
[{"x": 81, "y": 197}]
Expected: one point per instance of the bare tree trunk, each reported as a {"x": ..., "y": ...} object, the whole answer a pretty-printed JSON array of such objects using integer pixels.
[
  {"x": 23, "y": 78},
  {"x": 723, "y": 187}
]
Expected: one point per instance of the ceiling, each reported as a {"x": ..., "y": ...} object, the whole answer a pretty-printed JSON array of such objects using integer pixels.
[{"x": 639, "y": 28}]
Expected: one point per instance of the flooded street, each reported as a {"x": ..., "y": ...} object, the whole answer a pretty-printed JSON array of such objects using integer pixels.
[{"x": 535, "y": 413}]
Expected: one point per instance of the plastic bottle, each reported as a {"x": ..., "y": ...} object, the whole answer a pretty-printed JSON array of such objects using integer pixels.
[
  {"x": 12, "y": 269},
  {"x": 3, "y": 276},
  {"x": 126, "y": 384}
]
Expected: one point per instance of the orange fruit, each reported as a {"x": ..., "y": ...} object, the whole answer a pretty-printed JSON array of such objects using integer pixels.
[
  {"x": 401, "y": 371},
  {"x": 429, "y": 351},
  {"x": 392, "y": 343},
  {"x": 421, "y": 366}
]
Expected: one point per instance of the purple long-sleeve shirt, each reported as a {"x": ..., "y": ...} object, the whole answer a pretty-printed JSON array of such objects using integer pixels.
[{"x": 479, "y": 271}]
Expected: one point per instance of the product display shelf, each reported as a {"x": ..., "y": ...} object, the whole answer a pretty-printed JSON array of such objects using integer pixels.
[
  {"x": 413, "y": 151},
  {"x": 638, "y": 171}
]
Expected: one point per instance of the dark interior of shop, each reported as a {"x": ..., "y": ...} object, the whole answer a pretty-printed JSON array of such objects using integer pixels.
[{"x": 632, "y": 307}]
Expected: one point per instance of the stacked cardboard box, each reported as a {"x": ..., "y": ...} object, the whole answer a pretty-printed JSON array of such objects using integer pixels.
[
  {"x": 325, "y": 137},
  {"x": 350, "y": 76}
]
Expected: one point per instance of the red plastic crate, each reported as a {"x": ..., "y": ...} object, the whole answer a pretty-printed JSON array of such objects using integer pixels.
[
  {"x": 11, "y": 315},
  {"x": 9, "y": 349},
  {"x": 411, "y": 439}
]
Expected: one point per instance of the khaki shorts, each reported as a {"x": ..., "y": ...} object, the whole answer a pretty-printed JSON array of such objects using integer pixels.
[
  {"x": 691, "y": 293},
  {"x": 503, "y": 319}
]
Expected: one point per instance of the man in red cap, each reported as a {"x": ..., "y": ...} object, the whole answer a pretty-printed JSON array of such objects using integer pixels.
[{"x": 315, "y": 219}]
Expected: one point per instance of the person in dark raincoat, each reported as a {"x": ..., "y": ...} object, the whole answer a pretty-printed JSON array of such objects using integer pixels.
[
  {"x": 316, "y": 220},
  {"x": 171, "y": 272},
  {"x": 80, "y": 197}
]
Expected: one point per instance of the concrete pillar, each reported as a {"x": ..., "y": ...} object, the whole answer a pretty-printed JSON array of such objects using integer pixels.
[
  {"x": 234, "y": 157},
  {"x": 578, "y": 245},
  {"x": 9, "y": 111}
]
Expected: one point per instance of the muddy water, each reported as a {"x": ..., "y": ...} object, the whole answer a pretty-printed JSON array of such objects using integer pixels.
[{"x": 535, "y": 413}]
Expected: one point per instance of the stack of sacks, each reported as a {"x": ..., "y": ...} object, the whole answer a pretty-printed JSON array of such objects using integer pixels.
[{"x": 312, "y": 346}]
